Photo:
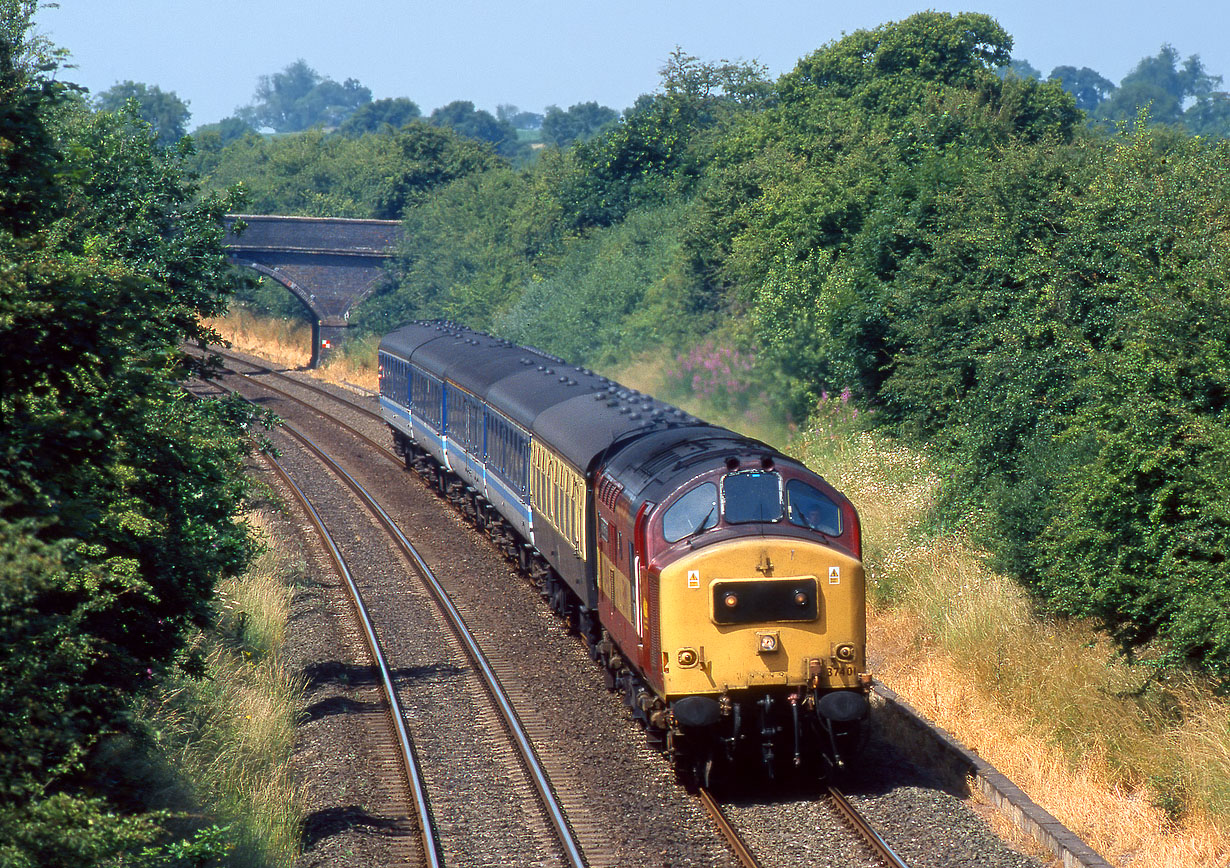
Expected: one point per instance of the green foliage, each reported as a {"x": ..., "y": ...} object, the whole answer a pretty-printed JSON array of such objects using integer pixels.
[
  {"x": 612, "y": 294},
  {"x": 589, "y": 236},
  {"x": 1160, "y": 86},
  {"x": 119, "y": 496},
  {"x": 521, "y": 120},
  {"x": 1044, "y": 307},
  {"x": 212, "y": 138},
  {"x": 889, "y": 69},
  {"x": 1087, "y": 87},
  {"x": 1021, "y": 69},
  {"x": 299, "y": 98},
  {"x": 457, "y": 258},
  {"x": 581, "y": 121},
  {"x": 316, "y": 174},
  {"x": 373, "y": 117},
  {"x": 1141, "y": 526},
  {"x": 464, "y": 119},
  {"x": 164, "y": 111}
]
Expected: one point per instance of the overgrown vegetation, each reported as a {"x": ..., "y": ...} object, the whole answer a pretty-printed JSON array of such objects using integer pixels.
[
  {"x": 1136, "y": 762},
  {"x": 226, "y": 734},
  {"x": 120, "y": 497}
]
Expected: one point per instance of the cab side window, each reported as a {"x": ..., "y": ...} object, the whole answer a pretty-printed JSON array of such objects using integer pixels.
[
  {"x": 810, "y": 508},
  {"x": 692, "y": 513}
]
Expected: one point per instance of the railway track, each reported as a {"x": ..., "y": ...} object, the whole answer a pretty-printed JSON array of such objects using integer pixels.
[
  {"x": 864, "y": 829},
  {"x": 432, "y": 847},
  {"x": 841, "y": 806},
  {"x": 407, "y": 762},
  {"x": 261, "y": 375}
]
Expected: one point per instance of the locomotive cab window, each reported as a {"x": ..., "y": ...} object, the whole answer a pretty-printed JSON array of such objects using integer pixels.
[
  {"x": 752, "y": 495},
  {"x": 811, "y": 509},
  {"x": 692, "y": 513}
]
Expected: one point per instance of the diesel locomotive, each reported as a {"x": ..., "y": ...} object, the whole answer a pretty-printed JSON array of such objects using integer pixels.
[{"x": 717, "y": 582}]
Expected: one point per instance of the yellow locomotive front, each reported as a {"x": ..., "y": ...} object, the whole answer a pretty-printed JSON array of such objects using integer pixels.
[{"x": 759, "y": 621}]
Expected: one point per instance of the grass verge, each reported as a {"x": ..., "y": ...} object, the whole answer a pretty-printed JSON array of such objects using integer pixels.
[
  {"x": 289, "y": 343},
  {"x": 1134, "y": 761},
  {"x": 226, "y": 735}
]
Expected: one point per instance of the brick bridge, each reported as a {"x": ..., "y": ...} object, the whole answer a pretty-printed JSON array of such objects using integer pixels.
[{"x": 329, "y": 263}]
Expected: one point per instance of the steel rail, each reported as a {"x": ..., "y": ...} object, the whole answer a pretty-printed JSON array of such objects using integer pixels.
[
  {"x": 731, "y": 835},
  {"x": 265, "y": 369},
  {"x": 520, "y": 738},
  {"x": 430, "y": 842},
  {"x": 860, "y": 825},
  {"x": 742, "y": 852},
  {"x": 379, "y": 447},
  {"x": 525, "y": 747}
]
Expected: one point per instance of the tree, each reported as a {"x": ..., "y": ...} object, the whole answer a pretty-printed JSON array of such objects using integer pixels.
[
  {"x": 298, "y": 98},
  {"x": 214, "y": 137},
  {"x": 1086, "y": 86},
  {"x": 316, "y": 174},
  {"x": 462, "y": 117},
  {"x": 375, "y": 116},
  {"x": 119, "y": 495},
  {"x": 580, "y": 122},
  {"x": 519, "y": 119},
  {"x": 892, "y": 66},
  {"x": 1209, "y": 115},
  {"x": 1021, "y": 69},
  {"x": 1159, "y": 85},
  {"x": 693, "y": 80},
  {"x": 165, "y": 112}
]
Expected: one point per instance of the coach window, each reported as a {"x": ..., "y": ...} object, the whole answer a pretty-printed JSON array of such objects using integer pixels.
[{"x": 692, "y": 513}]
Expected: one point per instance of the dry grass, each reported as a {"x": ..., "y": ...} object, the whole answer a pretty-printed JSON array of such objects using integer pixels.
[
  {"x": 289, "y": 344},
  {"x": 1138, "y": 767},
  {"x": 281, "y": 341},
  {"x": 229, "y": 734}
]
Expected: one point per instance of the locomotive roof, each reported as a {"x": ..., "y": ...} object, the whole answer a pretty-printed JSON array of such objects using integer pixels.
[{"x": 654, "y": 465}]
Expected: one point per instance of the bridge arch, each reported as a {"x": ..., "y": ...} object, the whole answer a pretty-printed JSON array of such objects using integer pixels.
[{"x": 329, "y": 263}]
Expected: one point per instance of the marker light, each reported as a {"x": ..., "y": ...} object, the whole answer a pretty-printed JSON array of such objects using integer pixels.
[{"x": 731, "y": 600}]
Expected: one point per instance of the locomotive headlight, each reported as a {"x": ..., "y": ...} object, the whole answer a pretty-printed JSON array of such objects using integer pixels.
[
  {"x": 844, "y": 652},
  {"x": 687, "y": 658},
  {"x": 766, "y": 643},
  {"x": 730, "y": 600}
]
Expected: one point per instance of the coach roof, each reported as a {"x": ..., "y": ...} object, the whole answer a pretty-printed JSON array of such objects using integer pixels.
[{"x": 405, "y": 340}]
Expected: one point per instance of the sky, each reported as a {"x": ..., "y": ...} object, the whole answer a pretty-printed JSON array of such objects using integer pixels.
[{"x": 535, "y": 53}]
